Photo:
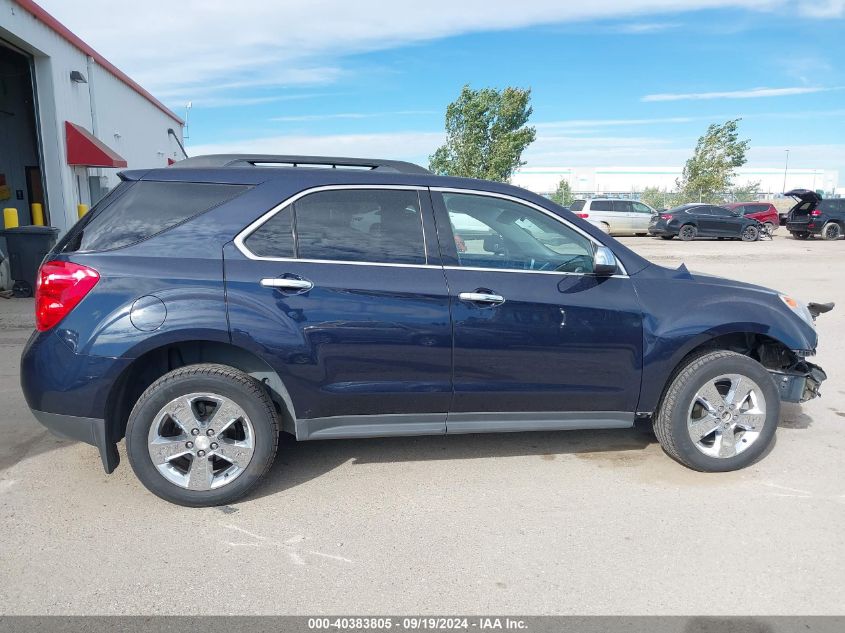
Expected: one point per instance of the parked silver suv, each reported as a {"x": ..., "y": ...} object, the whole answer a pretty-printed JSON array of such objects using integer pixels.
[{"x": 615, "y": 216}]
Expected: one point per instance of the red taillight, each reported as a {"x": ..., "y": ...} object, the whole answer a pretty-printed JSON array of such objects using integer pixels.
[
  {"x": 665, "y": 216},
  {"x": 583, "y": 215},
  {"x": 816, "y": 213},
  {"x": 58, "y": 290}
]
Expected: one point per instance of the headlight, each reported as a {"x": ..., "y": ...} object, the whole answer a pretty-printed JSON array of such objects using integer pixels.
[{"x": 799, "y": 308}]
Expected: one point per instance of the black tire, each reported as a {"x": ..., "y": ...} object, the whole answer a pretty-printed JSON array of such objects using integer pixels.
[
  {"x": 671, "y": 422},
  {"x": 750, "y": 233},
  {"x": 667, "y": 237},
  {"x": 221, "y": 380},
  {"x": 688, "y": 232},
  {"x": 831, "y": 231},
  {"x": 801, "y": 235}
]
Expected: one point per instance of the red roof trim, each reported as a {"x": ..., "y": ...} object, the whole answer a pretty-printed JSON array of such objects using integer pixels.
[
  {"x": 69, "y": 36},
  {"x": 83, "y": 148}
]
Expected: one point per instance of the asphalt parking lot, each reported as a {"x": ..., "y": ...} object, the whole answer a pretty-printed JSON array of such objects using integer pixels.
[{"x": 533, "y": 523}]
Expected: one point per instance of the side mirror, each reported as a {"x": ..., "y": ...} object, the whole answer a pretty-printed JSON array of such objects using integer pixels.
[{"x": 604, "y": 262}]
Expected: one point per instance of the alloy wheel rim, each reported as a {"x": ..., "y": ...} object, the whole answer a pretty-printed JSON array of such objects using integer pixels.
[
  {"x": 726, "y": 416},
  {"x": 201, "y": 441},
  {"x": 687, "y": 231},
  {"x": 832, "y": 231},
  {"x": 750, "y": 233}
]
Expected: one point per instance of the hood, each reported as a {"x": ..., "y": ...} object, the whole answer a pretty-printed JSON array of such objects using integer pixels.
[
  {"x": 804, "y": 195},
  {"x": 723, "y": 282}
]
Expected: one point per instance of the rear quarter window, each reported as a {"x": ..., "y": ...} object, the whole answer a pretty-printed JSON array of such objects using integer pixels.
[
  {"x": 577, "y": 205},
  {"x": 832, "y": 205},
  {"x": 139, "y": 210}
]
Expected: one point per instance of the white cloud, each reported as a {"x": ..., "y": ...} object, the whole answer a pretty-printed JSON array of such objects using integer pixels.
[
  {"x": 180, "y": 50},
  {"x": 752, "y": 93},
  {"x": 577, "y": 124},
  {"x": 415, "y": 146},
  {"x": 822, "y": 9},
  {"x": 348, "y": 115},
  {"x": 635, "y": 28}
]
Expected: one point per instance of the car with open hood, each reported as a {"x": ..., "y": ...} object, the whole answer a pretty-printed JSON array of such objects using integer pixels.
[{"x": 814, "y": 216}]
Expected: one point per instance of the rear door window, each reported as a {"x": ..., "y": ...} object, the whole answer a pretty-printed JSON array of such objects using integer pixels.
[
  {"x": 622, "y": 206},
  {"x": 346, "y": 225},
  {"x": 142, "y": 209}
]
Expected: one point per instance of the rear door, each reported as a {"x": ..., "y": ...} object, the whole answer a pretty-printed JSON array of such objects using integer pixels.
[
  {"x": 602, "y": 211},
  {"x": 539, "y": 341},
  {"x": 339, "y": 290},
  {"x": 625, "y": 212},
  {"x": 707, "y": 224}
]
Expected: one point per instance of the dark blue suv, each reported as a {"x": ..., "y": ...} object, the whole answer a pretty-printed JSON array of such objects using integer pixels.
[{"x": 201, "y": 309}]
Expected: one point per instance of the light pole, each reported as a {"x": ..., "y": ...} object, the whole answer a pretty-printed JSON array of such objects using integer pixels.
[{"x": 785, "y": 169}]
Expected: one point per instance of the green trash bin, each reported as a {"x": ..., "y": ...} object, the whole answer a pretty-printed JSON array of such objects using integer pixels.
[{"x": 26, "y": 247}]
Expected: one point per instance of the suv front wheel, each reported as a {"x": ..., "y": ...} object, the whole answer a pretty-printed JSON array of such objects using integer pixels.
[
  {"x": 202, "y": 435},
  {"x": 719, "y": 412}
]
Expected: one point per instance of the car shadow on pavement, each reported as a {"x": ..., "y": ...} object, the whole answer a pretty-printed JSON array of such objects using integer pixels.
[{"x": 300, "y": 462}]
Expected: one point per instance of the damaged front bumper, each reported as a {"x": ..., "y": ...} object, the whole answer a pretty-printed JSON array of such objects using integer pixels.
[{"x": 800, "y": 382}]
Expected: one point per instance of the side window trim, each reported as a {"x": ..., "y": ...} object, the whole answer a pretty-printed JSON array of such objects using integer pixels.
[
  {"x": 491, "y": 194},
  {"x": 241, "y": 237}
]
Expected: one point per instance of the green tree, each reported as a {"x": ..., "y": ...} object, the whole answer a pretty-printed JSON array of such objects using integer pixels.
[
  {"x": 657, "y": 198},
  {"x": 709, "y": 173},
  {"x": 563, "y": 194},
  {"x": 744, "y": 193},
  {"x": 486, "y": 133}
]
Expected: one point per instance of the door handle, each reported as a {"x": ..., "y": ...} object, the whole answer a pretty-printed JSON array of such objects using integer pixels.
[
  {"x": 482, "y": 297},
  {"x": 287, "y": 283}
]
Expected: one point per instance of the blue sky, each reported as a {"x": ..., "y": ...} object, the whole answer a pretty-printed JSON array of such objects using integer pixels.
[{"x": 618, "y": 82}]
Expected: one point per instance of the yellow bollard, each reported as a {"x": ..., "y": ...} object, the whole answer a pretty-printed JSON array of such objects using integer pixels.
[
  {"x": 10, "y": 218},
  {"x": 81, "y": 209},
  {"x": 37, "y": 214}
]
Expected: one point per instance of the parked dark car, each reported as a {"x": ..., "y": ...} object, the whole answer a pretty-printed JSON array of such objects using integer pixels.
[
  {"x": 813, "y": 216},
  {"x": 764, "y": 212},
  {"x": 201, "y": 309},
  {"x": 690, "y": 221}
]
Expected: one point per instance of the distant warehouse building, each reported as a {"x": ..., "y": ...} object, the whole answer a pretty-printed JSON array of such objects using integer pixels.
[
  {"x": 69, "y": 119},
  {"x": 625, "y": 181}
]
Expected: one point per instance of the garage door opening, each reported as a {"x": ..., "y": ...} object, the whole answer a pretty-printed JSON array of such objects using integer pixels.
[{"x": 21, "y": 181}]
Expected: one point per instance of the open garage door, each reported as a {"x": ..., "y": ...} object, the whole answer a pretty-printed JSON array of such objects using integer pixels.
[{"x": 21, "y": 171}]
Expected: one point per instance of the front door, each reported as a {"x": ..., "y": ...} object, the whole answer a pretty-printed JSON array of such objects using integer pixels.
[
  {"x": 341, "y": 295},
  {"x": 725, "y": 223},
  {"x": 539, "y": 341}
]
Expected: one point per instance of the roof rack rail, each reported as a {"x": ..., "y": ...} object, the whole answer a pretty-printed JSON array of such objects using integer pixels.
[{"x": 271, "y": 160}]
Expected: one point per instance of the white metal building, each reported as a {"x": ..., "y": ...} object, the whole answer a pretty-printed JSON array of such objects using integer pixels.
[
  {"x": 627, "y": 180},
  {"x": 69, "y": 119}
]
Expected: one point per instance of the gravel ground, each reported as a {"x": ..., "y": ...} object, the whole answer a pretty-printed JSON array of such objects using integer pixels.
[{"x": 534, "y": 523}]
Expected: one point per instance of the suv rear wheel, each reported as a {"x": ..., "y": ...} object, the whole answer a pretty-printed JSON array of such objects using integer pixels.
[
  {"x": 831, "y": 231},
  {"x": 719, "y": 412},
  {"x": 202, "y": 435}
]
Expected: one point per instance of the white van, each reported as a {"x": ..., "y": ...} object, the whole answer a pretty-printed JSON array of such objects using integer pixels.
[{"x": 614, "y": 215}]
